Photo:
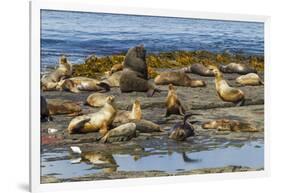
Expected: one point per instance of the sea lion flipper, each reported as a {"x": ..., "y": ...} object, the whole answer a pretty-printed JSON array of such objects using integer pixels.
[
  {"x": 104, "y": 138},
  {"x": 104, "y": 85},
  {"x": 240, "y": 103}
]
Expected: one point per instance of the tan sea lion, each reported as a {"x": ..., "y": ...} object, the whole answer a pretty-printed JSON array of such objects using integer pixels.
[
  {"x": 199, "y": 69},
  {"x": 113, "y": 79},
  {"x": 177, "y": 78},
  {"x": 145, "y": 126},
  {"x": 116, "y": 68},
  {"x": 96, "y": 99},
  {"x": 59, "y": 106},
  {"x": 225, "y": 92},
  {"x": 173, "y": 104},
  {"x": 121, "y": 133},
  {"x": 77, "y": 84},
  {"x": 50, "y": 81},
  {"x": 250, "y": 79},
  {"x": 44, "y": 110},
  {"x": 127, "y": 116},
  {"x": 229, "y": 125},
  {"x": 94, "y": 122},
  {"x": 237, "y": 68},
  {"x": 135, "y": 76}
]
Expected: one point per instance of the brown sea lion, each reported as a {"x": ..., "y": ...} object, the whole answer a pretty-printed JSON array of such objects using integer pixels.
[
  {"x": 64, "y": 70},
  {"x": 173, "y": 104},
  {"x": 180, "y": 131},
  {"x": 94, "y": 122},
  {"x": 123, "y": 132},
  {"x": 145, "y": 126},
  {"x": 237, "y": 68},
  {"x": 177, "y": 78},
  {"x": 225, "y": 92},
  {"x": 96, "y": 99},
  {"x": 77, "y": 84},
  {"x": 199, "y": 69},
  {"x": 250, "y": 79},
  {"x": 44, "y": 110},
  {"x": 229, "y": 125},
  {"x": 127, "y": 116},
  {"x": 59, "y": 106}
]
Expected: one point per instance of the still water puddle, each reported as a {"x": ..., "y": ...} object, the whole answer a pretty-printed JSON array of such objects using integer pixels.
[{"x": 65, "y": 165}]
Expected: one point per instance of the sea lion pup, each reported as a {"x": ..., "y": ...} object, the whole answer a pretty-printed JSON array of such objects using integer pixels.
[
  {"x": 123, "y": 132},
  {"x": 180, "y": 131},
  {"x": 44, "y": 110},
  {"x": 225, "y": 92},
  {"x": 112, "y": 79},
  {"x": 64, "y": 70},
  {"x": 229, "y": 125},
  {"x": 96, "y": 99},
  {"x": 94, "y": 122},
  {"x": 135, "y": 76},
  {"x": 177, "y": 78},
  {"x": 100, "y": 159},
  {"x": 199, "y": 69},
  {"x": 127, "y": 116},
  {"x": 173, "y": 104},
  {"x": 59, "y": 106},
  {"x": 77, "y": 84},
  {"x": 250, "y": 79},
  {"x": 237, "y": 68}
]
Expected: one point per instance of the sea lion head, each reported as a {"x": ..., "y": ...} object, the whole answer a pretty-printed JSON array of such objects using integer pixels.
[
  {"x": 140, "y": 51},
  {"x": 63, "y": 59},
  {"x": 110, "y": 99},
  {"x": 171, "y": 87},
  {"x": 136, "y": 110}
]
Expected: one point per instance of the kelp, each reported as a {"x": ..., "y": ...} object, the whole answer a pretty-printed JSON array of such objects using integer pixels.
[{"x": 94, "y": 66}]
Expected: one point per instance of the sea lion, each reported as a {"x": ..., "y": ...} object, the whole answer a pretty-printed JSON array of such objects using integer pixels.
[
  {"x": 99, "y": 159},
  {"x": 112, "y": 79},
  {"x": 199, "y": 69},
  {"x": 135, "y": 76},
  {"x": 173, "y": 104},
  {"x": 250, "y": 79},
  {"x": 177, "y": 78},
  {"x": 116, "y": 68},
  {"x": 145, "y": 126},
  {"x": 59, "y": 106},
  {"x": 77, "y": 84},
  {"x": 44, "y": 110},
  {"x": 94, "y": 122},
  {"x": 96, "y": 99},
  {"x": 237, "y": 68},
  {"x": 181, "y": 131},
  {"x": 127, "y": 116},
  {"x": 123, "y": 132},
  {"x": 64, "y": 70},
  {"x": 225, "y": 92},
  {"x": 229, "y": 125}
]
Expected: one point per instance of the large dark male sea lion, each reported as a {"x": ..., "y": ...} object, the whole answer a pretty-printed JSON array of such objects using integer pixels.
[
  {"x": 177, "y": 78},
  {"x": 134, "y": 76},
  {"x": 237, "y": 68},
  {"x": 225, "y": 92},
  {"x": 51, "y": 80},
  {"x": 199, "y": 69},
  {"x": 173, "y": 104}
]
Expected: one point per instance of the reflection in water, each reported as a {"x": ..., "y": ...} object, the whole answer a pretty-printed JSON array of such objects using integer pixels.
[{"x": 189, "y": 160}]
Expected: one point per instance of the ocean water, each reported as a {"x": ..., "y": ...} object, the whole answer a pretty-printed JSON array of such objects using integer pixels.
[{"x": 79, "y": 35}]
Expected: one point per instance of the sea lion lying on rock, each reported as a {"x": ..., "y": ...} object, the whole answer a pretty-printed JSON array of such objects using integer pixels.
[
  {"x": 77, "y": 84},
  {"x": 96, "y": 99},
  {"x": 225, "y": 92},
  {"x": 50, "y": 81},
  {"x": 177, "y": 78},
  {"x": 250, "y": 79},
  {"x": 173, "y": 104},
  {"x": 116, "y": 68},
  {"x": 229, "y": 125},
  {"x": 94, "y": 122},
  {"x": 44, "y": 110},
  {"x": 123, "y": 132},
  {"x": 237, "y": 68},
  {"x": 59, "y": 106},
  {"x": 199, "y": 69},
  {"x": 126, "y": 116},
  {"x": 134, "y": 76},
  {"x": 113, "y": 79},
  {"x": 145, "y": 126}
]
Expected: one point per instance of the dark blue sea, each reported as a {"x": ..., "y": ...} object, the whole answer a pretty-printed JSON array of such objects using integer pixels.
[{"x": 79, "y": 35}]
